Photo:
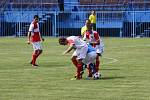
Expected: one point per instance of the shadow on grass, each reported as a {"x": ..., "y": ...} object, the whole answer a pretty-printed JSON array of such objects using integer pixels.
[
  {"x": 104, "y": 78},
  {"x": 46, "y": 65},
  {"x": 109, "y": 78},
  {"x": 53, "y": 65},
  {"x": 109, "y": 69}
]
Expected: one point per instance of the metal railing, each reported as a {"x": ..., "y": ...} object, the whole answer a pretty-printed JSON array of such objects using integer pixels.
[
  {"x": 110, "y": 24},
  {"x": 122, "y": 22}
]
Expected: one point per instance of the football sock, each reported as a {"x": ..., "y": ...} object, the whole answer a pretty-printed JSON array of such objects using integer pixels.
[
  {"x": 79, "y": 69},
  {"x": 34, "y": 57},
  {"x": 97, "y": 64},
  {"x": 75, "y": 62},
  {"x": 89, "y": 71}
]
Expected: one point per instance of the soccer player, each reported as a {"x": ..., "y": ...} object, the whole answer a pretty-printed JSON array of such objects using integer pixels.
[
  {"x": 79, "y": 54},
  {"x": 93, "y": 38},
  {"x": 34, "y": 37},
  {"x": 92, "y": 18},
  {"x": 84, "y": 28}
]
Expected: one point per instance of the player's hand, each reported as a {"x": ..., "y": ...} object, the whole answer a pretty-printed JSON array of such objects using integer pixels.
[
  {"x": 91, "y": 44},
  {"x": 43, "y": 39},
  {"x": 63, "y": 53},
  {"x": 28, "y": 42}
]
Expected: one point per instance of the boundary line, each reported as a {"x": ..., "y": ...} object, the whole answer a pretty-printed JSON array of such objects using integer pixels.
[{"x": 113, "y": 60}]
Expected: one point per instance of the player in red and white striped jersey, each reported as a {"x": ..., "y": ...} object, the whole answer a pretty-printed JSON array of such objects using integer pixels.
[
  {"x": 34, "y": 37},
  {"x": 93, "y": 38}
]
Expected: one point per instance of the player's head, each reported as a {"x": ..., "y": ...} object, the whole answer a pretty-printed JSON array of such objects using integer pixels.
[
  {"x": 87, "y": 21},
  {"x": 63, "y": 41},
  {"x": 93, "y": 12},
  {"x": 36, "y": 18},
  {"x": 88, "y": 24}
]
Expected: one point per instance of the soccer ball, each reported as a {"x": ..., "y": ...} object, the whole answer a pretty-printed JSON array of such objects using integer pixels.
[{"x": 97, "y": 76}]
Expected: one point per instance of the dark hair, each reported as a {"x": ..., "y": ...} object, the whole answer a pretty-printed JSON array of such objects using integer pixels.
[
  {"x": 88, "y": 20},
  {"x": 62, "y": 40},
  {"x": 36, "y": 16}
]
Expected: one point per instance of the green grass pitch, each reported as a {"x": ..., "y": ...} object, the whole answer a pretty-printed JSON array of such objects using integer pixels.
[{"x": 125, "y": 68}]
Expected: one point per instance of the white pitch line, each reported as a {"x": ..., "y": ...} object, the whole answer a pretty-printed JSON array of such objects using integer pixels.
[
  {"x": 131, "y": 46},
  {"x": 20, "y": 70},
  {"x": 113, "y": 60},
  {"x": 146, "y": 45},
  {"x": 11, "y": 70},
  {"x": 31, "y": 69}
]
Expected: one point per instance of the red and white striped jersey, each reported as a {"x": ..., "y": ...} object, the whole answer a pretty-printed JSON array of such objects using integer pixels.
[
  {"x": 91, "y": 36},
  {"x": 35, "y": 32},
  {"x": 76, "y": 41}
]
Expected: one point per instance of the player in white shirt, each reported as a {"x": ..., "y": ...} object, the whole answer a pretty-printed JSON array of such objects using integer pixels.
[{"x": 79, "y": 54}]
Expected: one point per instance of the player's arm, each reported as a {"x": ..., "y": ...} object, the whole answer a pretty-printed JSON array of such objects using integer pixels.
[
  {"x": 30, "y": 32},
  {"x": 85, "y": 38},
  {"x": 82, "y": 31},
  {"x": 29, "y": 35},
  {"x": 97, "y": 42},
  {"x": 41, "y": 37},
  {"x": 69, "y": 49},
  {"x": 90, "y": 17}
]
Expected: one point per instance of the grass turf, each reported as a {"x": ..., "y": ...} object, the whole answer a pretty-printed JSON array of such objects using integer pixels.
[{"x": 125, "y": 68}]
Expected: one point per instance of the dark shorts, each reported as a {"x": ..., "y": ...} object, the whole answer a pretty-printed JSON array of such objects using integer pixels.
[{"x": 94, "y": 26}]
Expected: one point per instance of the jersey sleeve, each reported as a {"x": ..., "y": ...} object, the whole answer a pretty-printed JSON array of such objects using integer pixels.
[
  {"x": 31, "y": 28},
  {"x": 96, "y": 35},
  {"x": 38, "y": 27},
  {"x": 70, "y": 42}
]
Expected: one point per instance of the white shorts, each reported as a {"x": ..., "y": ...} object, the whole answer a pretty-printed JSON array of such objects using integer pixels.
[
  {"x": 90, "y": 58},
  {"x": 100, "y": 48},
  {"x": 81, "y": 53},
  {"x": 37, "y": 46}
]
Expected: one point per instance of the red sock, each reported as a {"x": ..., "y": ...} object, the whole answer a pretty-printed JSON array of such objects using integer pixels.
[
  {"x": 97, "y": 64},
  {"x": 75, "y": 62},
  {"x": 34, "y": 57},
  {"x": 89, "y": 71},
  {"x": 79, "y": 68}
]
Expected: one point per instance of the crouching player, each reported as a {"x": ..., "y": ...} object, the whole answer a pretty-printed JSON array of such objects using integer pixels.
[{"x": 79, "y": 54}]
